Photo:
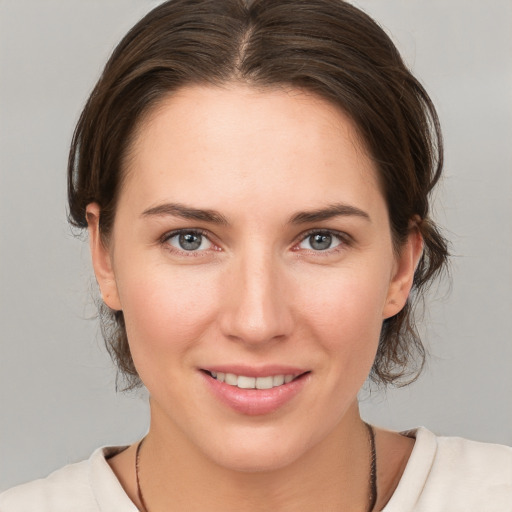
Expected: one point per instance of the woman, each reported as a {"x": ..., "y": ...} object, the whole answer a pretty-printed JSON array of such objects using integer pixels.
[{"x": 255, "y": 179}]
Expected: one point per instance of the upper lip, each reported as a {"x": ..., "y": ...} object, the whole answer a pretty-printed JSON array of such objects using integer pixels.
[{"x": 256, "y": 371}]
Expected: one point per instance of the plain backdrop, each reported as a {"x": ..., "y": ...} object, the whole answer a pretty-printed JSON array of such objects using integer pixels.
[{"x": 57, "y": 385}]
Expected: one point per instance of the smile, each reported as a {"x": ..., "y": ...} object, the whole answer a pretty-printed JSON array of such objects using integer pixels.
[
  {"x": 245, "y": 382},
  {"x": 255, "y": 391}
]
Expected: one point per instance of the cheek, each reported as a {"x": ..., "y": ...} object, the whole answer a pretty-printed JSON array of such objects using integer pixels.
[
  {"x": 341, "y": 321},
  {"x": 166, "y": 310},
  {"x": 344, "y": 315}
]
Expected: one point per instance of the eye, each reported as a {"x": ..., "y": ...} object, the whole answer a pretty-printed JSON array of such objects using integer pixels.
[
  {"x": 189, "y": 241},
  {"x": 320, "y": 241}
]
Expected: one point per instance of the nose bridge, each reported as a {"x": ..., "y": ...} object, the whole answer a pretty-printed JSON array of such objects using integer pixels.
[{"x": 257, "y": 310}]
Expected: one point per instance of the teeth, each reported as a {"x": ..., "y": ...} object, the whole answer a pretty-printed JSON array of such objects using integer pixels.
[
  {"x": 245, "y": 382},
  {"x": 264, "y": 382},
  {"x": 231, "y": 379},
  {"x": 278, "y": 380}
]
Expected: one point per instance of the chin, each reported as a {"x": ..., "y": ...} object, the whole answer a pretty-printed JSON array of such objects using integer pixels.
[
  {"x": 256, "y": 461},
  {"x": 256, "y": 453}
]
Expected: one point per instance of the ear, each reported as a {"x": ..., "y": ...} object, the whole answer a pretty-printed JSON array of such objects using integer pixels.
[
  {"x": 403, "y": 272},
  {"x": 101, "y": 259}
]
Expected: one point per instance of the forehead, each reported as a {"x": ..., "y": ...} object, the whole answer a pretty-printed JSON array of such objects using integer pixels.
[{"x": 250, "y": 143}]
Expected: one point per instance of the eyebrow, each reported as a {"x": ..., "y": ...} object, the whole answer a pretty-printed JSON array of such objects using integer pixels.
[
  {"x": 334, "y": 210},
  {"x": 214, "y": 217},
  {"x": 186, "y": 212}
]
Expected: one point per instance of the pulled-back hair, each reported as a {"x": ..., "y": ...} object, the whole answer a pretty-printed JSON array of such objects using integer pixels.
[{"x": 326, "y": 47}]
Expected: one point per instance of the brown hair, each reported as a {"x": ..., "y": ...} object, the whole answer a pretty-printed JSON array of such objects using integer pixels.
[{"x": 327, "y": 47}]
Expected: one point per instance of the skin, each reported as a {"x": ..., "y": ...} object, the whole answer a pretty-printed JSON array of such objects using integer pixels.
[{"x": 257, "y": 292}]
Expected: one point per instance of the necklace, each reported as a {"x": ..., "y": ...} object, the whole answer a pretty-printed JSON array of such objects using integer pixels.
[
  {"x": 373, "y": 468},
  {"x": 139, "y": 491},
  {"x": 373, "y": 471}
]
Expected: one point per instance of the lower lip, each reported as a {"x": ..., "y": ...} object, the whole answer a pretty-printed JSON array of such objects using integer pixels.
[{"x": 255, "y": 402}]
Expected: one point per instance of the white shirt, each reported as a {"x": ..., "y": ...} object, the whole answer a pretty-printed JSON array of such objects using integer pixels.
[{"x": 443, "y": 474}]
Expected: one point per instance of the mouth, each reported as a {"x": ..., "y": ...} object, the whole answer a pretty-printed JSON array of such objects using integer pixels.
[
  {"x": 248, "y": 382},
  {"x": 256, "y": 391}
]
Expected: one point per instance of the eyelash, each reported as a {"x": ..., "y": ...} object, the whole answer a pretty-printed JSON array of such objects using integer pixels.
[
  {"x": 344, "y": 239},
  {"x": 165, "y": 241}
]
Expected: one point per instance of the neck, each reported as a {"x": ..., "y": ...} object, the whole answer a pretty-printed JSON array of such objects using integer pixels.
[{"x": 333, "y": 475}]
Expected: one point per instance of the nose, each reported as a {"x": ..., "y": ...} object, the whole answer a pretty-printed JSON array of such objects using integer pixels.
[{"x": 256, "y": 307}]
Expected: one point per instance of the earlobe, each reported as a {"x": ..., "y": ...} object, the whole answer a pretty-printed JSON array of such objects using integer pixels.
[
  {"x": 403, "y": 275},
  {"x": 101, "y": 259}
]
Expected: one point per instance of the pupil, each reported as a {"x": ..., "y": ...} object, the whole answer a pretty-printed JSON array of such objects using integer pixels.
[
  {"x": 320, "y": 241},
  {"x": 190, "y": 241}
]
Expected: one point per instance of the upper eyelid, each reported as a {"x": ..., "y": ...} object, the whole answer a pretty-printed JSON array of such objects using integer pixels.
[
  {"x": 174, "y": 232},
  {"x": 343, "y": 236},
  {"x": 170, "y": 234},
  {"x": 340, "y": 234}
]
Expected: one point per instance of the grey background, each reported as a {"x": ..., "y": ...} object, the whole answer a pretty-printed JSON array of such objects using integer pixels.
[{"x": 57, "y": 398}]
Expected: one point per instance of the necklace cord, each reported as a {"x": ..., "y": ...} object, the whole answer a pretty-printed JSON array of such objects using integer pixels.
[
  {"x": 373, "y": 467},
  {"x": 373, "y": 471},
  {"x": 139, "y": 490}
]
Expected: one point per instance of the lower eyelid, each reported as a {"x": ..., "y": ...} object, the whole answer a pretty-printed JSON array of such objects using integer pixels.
[
  {"x": 165, "y": 241},
  {"x": 343, "y": 240}
]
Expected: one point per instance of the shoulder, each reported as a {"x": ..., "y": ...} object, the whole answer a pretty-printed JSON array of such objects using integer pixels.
[
  {"x": 485, "y": 460},
  {"x": 82, "y": 487},
  {"x": 480, "y": 473},
  {"x": 56, "y": 492},
  {"x": 454, "y": 474}
]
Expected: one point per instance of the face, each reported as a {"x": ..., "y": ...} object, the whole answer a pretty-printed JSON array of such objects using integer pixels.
[{"x": 251, "y": 249}]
